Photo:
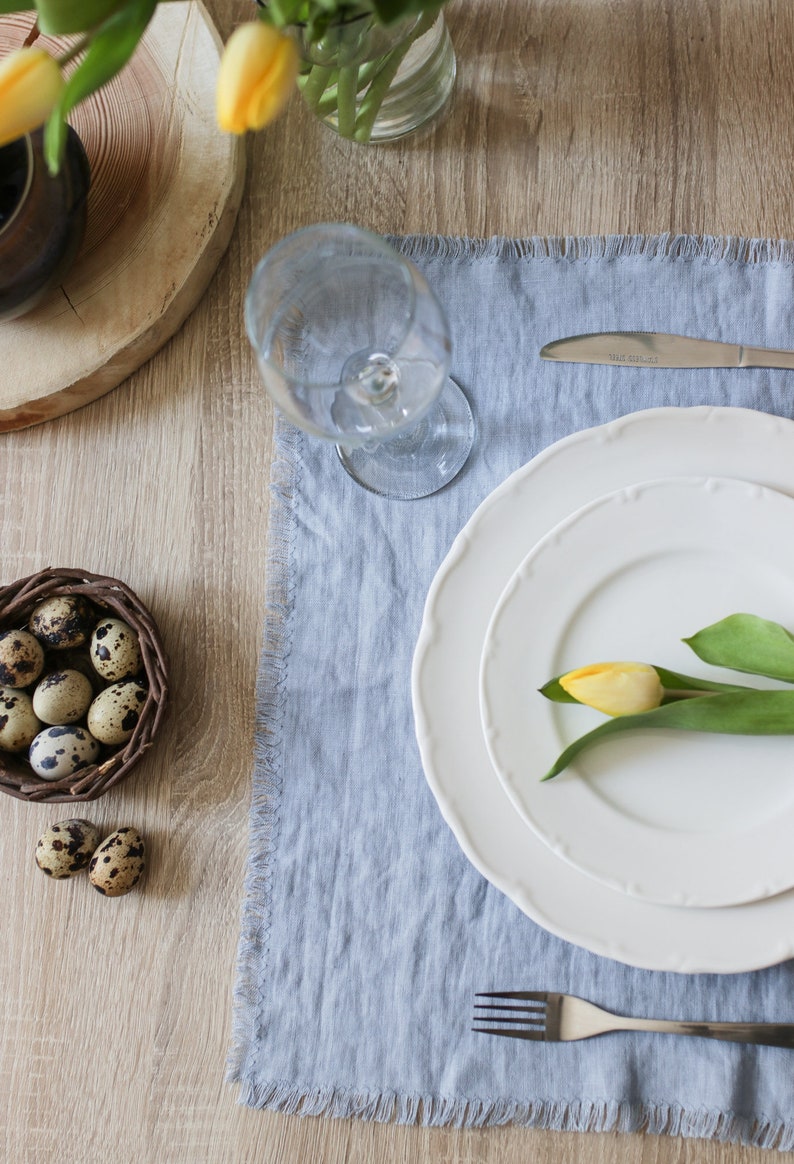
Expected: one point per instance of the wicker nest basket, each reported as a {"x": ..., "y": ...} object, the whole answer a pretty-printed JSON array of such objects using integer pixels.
[{"x": 109, "y": 596}]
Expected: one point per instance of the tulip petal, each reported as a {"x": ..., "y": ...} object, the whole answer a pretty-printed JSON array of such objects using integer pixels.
[
  {"x": 257, "y": 73},
  {"x": 30, "y": 86},
  {"x": 672, "y": 681},
  {"x": 270, "y": 95},
  {"x": 615, "y": 688}
]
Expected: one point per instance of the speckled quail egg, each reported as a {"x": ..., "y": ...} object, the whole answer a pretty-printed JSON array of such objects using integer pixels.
[
  {"x": 118, "y": 863},
  {"x": 19, "y": 723},
  {"x": 62, "y": 697},
  {"x": 21, "y": 658},
  {"x": 113, "y": 715},
  {"x": 61, "y": 751},
  {"x": 66, "y": 847},
  {"x": 65, "y": 620},
  {"x": 115, "y": 650}
]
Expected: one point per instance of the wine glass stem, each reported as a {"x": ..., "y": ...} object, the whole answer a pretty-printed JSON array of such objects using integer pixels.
[{"x": 371, "y": 377}]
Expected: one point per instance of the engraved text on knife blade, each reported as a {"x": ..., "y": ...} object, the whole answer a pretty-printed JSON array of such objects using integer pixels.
[{"x": 632, "y": 358}]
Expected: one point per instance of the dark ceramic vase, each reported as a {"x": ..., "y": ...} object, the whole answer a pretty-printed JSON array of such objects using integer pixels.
[{"x": 42, "y": 219}]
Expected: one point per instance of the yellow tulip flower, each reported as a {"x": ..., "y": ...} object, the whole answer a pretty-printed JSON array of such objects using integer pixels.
[
  {"x": 257, "y": 73},
  {"x": 615, "y": 688},
  {"x": 30, "y": 85}
]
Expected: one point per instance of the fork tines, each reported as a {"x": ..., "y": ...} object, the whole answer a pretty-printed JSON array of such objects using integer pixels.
[{"x": 518, "y": 1022}]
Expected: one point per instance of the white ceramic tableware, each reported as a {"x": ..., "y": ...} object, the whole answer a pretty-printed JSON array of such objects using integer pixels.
[
  {"x": 656, "y": 443},
  {"x": 675, "y": 817}
]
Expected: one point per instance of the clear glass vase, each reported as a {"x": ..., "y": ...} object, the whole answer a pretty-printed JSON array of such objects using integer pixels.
[{"x": 374, "y": 83}]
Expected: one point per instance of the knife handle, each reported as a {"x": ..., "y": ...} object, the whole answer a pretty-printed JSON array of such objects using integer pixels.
[{"x": 765, "y": 358}]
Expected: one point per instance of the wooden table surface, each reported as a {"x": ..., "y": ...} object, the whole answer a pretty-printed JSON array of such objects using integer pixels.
[{"x": 570, "y": 117}]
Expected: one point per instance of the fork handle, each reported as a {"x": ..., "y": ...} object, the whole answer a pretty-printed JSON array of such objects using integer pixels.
[{"x": 763, "y": 1034}]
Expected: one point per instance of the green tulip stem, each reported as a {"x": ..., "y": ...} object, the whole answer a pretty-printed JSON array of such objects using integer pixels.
[
  {"x": 323, "y": 100},
  {"x": 327, "y": 103},
  {"x": 314, "y": 84},
  {"x": 382, "y": 80},
  {"x": 327, "y": 90},
  {"x": 347, "y": 88}
]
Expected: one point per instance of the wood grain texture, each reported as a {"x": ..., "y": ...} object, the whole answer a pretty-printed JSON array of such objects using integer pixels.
[
  {"x": 165, "y": 190},
  {"x": 570, "y": 117}
]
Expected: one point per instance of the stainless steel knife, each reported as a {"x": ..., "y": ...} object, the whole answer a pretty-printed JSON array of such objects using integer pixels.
[{"x": 653, "y": 349}]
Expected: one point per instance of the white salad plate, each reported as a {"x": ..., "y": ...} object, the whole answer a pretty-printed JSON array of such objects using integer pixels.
[
  {"x": 656, "y": 443},
  {"x": 674, "y": 817}
]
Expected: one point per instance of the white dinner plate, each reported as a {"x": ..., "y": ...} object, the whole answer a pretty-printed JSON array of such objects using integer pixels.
[
  {"x": 674, "y": 817},
  {"x": 665, "y": 442}
]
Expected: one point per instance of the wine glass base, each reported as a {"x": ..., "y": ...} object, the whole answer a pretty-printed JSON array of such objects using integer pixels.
[{"x": 422, "y": 460}]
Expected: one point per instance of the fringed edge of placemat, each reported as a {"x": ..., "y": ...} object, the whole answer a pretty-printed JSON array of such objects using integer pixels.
[
  {"x": 573, "y": 1116},
  {"x": 709, "y": 248},
  {"x": 266, "y": 793}
]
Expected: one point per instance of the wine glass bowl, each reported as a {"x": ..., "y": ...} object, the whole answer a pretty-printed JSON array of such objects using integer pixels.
[{"x": 353, "y": 346}]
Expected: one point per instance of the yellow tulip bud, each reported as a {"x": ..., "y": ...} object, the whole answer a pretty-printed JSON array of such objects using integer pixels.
[
  {"x": 257, "y": 74},
  {"x": 615, "y": 688},
  {"x": 30, "y": 85}
]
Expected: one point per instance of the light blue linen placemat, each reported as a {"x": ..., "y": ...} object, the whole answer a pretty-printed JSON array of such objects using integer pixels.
[{"x": 365, "y": 931}]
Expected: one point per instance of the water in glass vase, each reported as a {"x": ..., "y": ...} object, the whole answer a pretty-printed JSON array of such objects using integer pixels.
[{"x": 375, "y": 84}]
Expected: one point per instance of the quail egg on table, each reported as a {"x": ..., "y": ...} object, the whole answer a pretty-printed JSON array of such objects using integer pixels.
[
  {"x": 19, "y": 723},
  {"x": 62, "y": 697},
  {"x": 61, "y": 751},
  {"x": 21, "y": 658},
  {"x": 65, "y": 620},
  {"x": 115, "y": 712},
  {"x": 118, "y": 863},
  {"x": 66, "y": 847},
  {"x": 115, "y": 650}
]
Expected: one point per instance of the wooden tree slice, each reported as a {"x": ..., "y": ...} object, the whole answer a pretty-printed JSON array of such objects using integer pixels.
[{"x": 165, "y": 191}]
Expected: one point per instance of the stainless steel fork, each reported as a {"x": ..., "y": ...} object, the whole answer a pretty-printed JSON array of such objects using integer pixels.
[{"x": 553, "y": 1018}]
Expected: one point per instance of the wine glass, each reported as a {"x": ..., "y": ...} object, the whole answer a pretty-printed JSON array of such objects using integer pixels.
[{"x": 353, "y": 346}]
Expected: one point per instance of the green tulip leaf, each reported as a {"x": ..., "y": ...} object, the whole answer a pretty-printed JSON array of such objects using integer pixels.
[
  {"x": 747, "y": 643},
  {"x": 390, "y": 10},
  {"x": 108, "y": 52},
  {"x": 284, "y": 12},
  {"x": 7, "y": 6},
  {"x": 55, "y": 133},
  {"x": 60, "y": 17},
  {"x": 557, "y": 694},
  {"x": 747, "y": 712},
  {"x": 673, "y": 681}
]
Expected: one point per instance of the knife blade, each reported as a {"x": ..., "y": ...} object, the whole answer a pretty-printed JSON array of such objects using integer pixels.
[{"x": 653, "y": 349}]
